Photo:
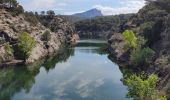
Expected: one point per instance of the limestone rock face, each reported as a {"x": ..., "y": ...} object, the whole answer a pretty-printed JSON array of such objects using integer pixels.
[{"x": 11, "y": 27}]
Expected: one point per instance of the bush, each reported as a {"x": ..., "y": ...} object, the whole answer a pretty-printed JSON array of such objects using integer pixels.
[
  {"x": 25, "y": 45},
  {"x": 143, "y": 88},
  {"x": 8, "y": 51},
  {"x": 141, "y": 42},
  {"x": 130, "y": 39},
  {"x": 46, "y": 36},
  {"x": 141, "y": 56},
  {"x": 19, "y": 10},
  {"x": 147, "y": 29},
  {"x": 30, "y": 17}
]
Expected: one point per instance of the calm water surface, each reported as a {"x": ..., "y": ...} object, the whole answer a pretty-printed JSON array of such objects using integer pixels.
[{"x": 80, "y": 73}]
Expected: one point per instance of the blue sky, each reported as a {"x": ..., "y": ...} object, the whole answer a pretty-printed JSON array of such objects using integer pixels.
[{"x": 108, "y": 7}]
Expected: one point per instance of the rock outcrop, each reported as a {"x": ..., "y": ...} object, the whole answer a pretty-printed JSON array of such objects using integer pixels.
[{"x": 12, "y": 26}]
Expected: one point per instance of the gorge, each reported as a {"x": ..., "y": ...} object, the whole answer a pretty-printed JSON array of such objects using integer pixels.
[{"x": 44, "y": 56}]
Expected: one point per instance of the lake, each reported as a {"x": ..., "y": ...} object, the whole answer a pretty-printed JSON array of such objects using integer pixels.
[{"x": 83, "y": 72}]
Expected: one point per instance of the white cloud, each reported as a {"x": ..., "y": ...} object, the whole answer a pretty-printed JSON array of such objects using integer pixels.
[
  {"x": 127, "y": 6},
  {"x": 43, "y": 5}
]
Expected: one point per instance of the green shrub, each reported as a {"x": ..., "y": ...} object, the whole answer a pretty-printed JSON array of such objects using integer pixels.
[
  {"x": 46, "y": 36},
  {"x": 143, "y": 88},
  {"x": 130, "y": 39},
  {"x": 25, "y": 45},
  {"x": 8, "y": 51},
  {"x": 2, "y": 40},
  {"x": 147, "y": 30},
  {"x": 30, "y": 17},
  {"x": 19, "y": 10},
  {"x": 162, "y": 61},
  {"x": 141, "y": 41},
  {"x": 141, "y": 56}
]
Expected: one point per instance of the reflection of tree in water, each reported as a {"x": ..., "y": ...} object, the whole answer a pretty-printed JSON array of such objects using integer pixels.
[
  {"x": 98, "y": 48},
  {"x": 123, "y": 66},
  {"x": 62, "y": 56},
  {"x": 86, "y": 44},
  {"x": 125, "y": 69},
  {"x": 102, "y": 50},
  {"x": 15, "y": 79}
]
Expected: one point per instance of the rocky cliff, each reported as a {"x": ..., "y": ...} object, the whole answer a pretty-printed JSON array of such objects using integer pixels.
[
  {"x": 152, "y": 22},
  {"x": 12, "y": 26}
]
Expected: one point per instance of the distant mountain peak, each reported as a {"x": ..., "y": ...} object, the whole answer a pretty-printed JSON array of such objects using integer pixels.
[{"x": 90, "y": 13}]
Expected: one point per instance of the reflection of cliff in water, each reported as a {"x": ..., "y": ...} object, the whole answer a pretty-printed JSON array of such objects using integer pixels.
[
  {"x": 125, "y": 70},
  {"x": 92, "y": 47},
  {"x": 17, "y": 78}
]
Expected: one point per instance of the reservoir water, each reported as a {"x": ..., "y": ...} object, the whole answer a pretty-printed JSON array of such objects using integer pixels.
[{"x": 80, "y": 73}]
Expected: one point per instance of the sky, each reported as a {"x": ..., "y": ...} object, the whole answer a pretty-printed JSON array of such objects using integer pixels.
[{"x": 68, "y": 7}]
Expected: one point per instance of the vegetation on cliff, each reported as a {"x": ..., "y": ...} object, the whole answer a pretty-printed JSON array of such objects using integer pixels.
[
  {"x": 100, "y": 27},
  {"x": 12, "y": 6},
  {"x": 25, "y": 45},
  {"x": 143, "y": 88},
  {"x": 152, "y": 23},
  {"x": 15, "y": 24},
  {"x": 130, "y": 39}
]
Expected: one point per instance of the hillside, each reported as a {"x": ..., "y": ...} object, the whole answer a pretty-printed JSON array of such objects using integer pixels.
[
  {"x": 71, "y": 18},
  {"x": 22, "y": 31},
  {"x": 100, "y": 27},
  {"x": 153, "y": 23}
]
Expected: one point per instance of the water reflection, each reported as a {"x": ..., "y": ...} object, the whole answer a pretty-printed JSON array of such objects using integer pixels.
[
  {"x": 80, "y": 73},
  {"x": 62, "y": 56},
  {"x": 17, "y": 78}
]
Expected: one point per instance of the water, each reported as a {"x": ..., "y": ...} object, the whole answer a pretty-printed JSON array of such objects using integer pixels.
[{"x": 80, "y": 73}]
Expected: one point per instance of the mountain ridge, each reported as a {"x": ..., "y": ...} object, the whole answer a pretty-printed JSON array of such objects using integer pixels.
[{"x": 89, "y": 13}]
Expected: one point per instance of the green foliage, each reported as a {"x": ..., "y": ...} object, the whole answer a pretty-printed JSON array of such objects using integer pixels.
[
  {"x": 141, "y": 41},
  {"x": 162, "y": 98},
  {"x": 100, "y": 27},
  {"x": 30, "y": 17},
  {"x": 8, "y": 49},
  {"x": 142, "y": 87},
  {"x": 12, "y": 6},
  {"x": 8, "y": 52},
  {"x": 46, "y": 36},
  {"x": 147, "y": 30},
  {"x": 141, "y": 56},
  {"x": 146, "y": 27},
  {"x": 130, "y": 39},
  {"x": 18, "y": 10},
  {"x": 25, "y": 45}
]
